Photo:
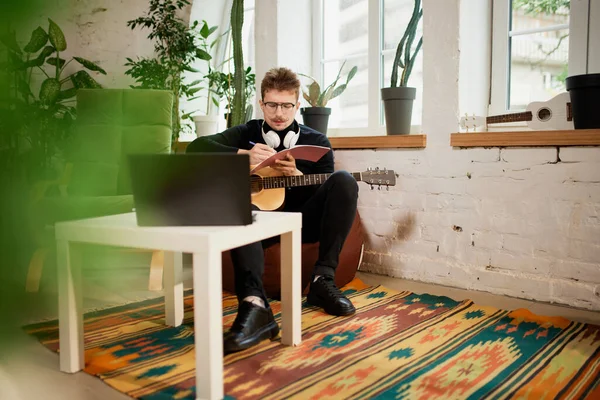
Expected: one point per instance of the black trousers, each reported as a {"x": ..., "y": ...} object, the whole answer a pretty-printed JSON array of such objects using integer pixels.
[{"x": 326, "y": 218}]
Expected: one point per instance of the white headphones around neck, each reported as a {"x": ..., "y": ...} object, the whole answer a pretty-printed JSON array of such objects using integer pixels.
[{"x": 272, "y": 139}]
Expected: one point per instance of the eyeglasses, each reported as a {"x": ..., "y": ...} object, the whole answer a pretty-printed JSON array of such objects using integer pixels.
[{"x": 272, "y": 106}]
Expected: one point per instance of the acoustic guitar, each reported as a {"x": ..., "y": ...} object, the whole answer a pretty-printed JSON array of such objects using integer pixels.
[
  {"x": 553, "y": 114},
  {"x": 268, "y": 185}
]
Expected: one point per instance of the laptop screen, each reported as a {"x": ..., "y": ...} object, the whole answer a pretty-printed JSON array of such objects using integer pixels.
[{"x": 194, "y": 189}]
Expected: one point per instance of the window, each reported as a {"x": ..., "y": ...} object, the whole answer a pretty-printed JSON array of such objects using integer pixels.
[
  {"x": 530, "y": 52},
  {"x": 363, "y": 33}
]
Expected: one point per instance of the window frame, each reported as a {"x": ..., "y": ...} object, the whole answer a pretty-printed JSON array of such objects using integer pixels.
[
  {"x": 375, "y": 116},
  {"x": 501, "y": 51}
]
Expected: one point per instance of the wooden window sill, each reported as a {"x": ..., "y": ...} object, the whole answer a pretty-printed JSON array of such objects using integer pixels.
[
  {"x": 577, "y": 137},
  {"x": 364, "y": 142},
  {"x": 378, "y": 142}
]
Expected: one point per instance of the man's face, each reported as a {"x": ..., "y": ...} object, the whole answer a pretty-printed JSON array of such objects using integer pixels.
[{"x": 279, "y": 108}]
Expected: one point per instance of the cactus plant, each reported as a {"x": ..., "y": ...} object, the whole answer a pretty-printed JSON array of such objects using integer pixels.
[
  {"x": 238, "y": 110},
  {"x": 403, "y": 58},
  {"x": 318, "y": 98}
]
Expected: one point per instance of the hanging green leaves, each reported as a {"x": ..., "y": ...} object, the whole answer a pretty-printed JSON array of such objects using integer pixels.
[
  {"x": 90, "y": 65},
  {"x": 38, "y": 39},
  {"x": 57, "y": 37}
]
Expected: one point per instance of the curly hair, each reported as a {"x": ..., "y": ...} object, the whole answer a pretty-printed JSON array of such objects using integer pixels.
[{"x": 280, "y": 79}]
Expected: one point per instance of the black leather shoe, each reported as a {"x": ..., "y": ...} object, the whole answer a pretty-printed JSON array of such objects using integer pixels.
[
  {"x": 324, "y": 293},
  {"x": 252, "y": 325}
]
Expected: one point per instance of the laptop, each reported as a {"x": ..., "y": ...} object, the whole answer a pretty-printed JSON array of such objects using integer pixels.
[{"x": 194, "y": 189}]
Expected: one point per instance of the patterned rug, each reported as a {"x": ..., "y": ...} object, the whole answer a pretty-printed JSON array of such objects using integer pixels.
[{"x": 399, "y": 345}]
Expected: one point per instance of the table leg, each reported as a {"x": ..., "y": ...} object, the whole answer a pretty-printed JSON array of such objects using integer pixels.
[
  {"x": 291, "y": 288},
  {"x": 208, "y": 325},
  {"x": 70, "y": 312},
  {"x": 173, "y": 277}
]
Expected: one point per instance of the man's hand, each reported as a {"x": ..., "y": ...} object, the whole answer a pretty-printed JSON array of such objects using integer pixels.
[
  {"x": 258, "y": 153},
  {"x": 287, "y": 167}
]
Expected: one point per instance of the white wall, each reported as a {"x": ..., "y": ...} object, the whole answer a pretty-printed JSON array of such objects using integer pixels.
[
  {"x": 474, "y": 73},
  {"x": 585, "y": 37},
  {"x": 282, "y": 38},
  {"x": 102, "y": 36},
  {"x": 523, "y": 222}
]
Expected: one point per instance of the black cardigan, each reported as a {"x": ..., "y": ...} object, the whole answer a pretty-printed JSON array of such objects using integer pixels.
[{"x": 239, "y": 137}]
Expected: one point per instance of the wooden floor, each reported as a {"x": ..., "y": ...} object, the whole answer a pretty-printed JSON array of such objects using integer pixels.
[{"x": 29, "y": 371}]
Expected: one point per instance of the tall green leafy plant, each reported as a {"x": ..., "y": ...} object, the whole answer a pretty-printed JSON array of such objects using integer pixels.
[
  {"x": 221, "y": 87},
  {"x": 238, "y": 112},
  {"x": 405, "y": 55},
  {"x": 177, "y": 47},
  {"x": 45, "y": 114}
]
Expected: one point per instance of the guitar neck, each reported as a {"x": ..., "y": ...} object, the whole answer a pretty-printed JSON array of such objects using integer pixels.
[
  {"x": 516, "y": 117},
  {"x": 273, "y": 182}
]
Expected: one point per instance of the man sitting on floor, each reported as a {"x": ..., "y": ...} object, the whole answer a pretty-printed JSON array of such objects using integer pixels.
[{"x": 328, "y": 210}]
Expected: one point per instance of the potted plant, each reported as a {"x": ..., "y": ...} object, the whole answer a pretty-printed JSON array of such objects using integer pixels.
[
  {"x": 221, "y": 87},
  {"x": 584, "y": 91},
  {"x": 398, "y": 98},
  {"x": 317, "y": 115},
  {"x": 176, "y": 47},
  {"x": 42, "y": 115},
  {"x": 208, "y": 123},
  {"x": 238, "y": 104}
]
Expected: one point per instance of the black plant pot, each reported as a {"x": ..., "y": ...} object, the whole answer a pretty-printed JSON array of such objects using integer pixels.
[
  {"x": 398, "y": 105},
  {"x": 316, "y": 118},
  {"x": 584, "y": 91}
]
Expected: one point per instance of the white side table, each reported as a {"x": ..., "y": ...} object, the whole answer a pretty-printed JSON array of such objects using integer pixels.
[{"x": 206, "y": 244}]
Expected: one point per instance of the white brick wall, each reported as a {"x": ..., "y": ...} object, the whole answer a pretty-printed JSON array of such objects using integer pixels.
[{"x": 527, "y": 231}]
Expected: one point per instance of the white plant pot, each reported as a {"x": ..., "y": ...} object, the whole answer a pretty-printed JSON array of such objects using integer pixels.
[{"x": 206, "y": 125}]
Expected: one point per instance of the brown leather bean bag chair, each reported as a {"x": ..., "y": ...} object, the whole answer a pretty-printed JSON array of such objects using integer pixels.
[{"x": 349, "y": 262}]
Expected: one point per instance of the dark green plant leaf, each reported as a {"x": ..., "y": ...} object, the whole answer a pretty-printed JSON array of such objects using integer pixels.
[
  {"x": 48, "y": 50},
  {"x": 67, "y": 94},
  {"x": 90, "y": 65},
  {"x": 49, "y": 91},
  {"x": 10, "y": 41},
  {"x": 189, "y": 69},
  {"x": 57, "y": 37},
  {"x": 203, "y": 55},
  {"x": 41, "y": 58},
  {"x": 15, "y": 63},
  {"x": 83, "y": 80},
  {"x": 36, "y": 62},
  {"x": 204, "y": 31},
  {"x": 38, "y": 39},
  {"x": 24, "y": 88},
  {"x": 52, "y": 61}
]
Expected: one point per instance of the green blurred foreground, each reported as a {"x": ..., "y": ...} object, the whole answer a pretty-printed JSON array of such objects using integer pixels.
[{"x": 18, "y": 167}]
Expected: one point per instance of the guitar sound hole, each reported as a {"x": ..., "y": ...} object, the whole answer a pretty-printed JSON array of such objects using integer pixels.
[
  {"x": 256, "y": 184},
  {"x": 544, "y": 114}
]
